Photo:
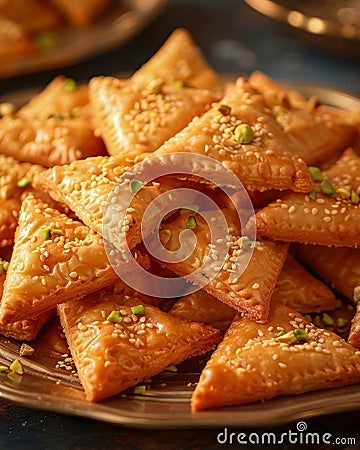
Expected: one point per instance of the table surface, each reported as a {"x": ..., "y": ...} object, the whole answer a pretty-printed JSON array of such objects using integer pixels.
[{"x": 234, "y": 38}]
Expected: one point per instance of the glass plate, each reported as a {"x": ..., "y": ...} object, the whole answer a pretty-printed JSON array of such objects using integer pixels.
[
  {"x": 167, "y": 400},
  {"x": 125, "y": 20}
]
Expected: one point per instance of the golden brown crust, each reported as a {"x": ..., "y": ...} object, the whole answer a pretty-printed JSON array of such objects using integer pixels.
[
  {"x": 55, "y": 259},
  {"x": 236, "y": 373},
  {"x": 300, "y": 290},
  {"x": 268, "y": 161},
  {"x": 325, "y": 220},
  {"x": 111, "y": 357},
  {"x": 135, "y": 119}
]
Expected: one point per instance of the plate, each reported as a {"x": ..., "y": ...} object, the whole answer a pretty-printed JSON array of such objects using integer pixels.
[
  {"x": 125, "y": 20},
  {"x": 166, "y": 403}
]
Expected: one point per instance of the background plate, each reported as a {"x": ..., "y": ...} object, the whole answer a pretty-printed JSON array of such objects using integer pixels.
[{"x": 167, "y": 400}]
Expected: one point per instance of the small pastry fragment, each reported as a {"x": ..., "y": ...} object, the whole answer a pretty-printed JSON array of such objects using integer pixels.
[
  {"x": 300, "y": 290},
  {"x": 287, "y": 355},
  {"x": 242, "y": 134},
  {"x": 329, "y": 215},
  {"x": 316, "y": 135},
  {"x": 26, "y": 329},
  {"x": 54, "y": 259},
  {"x": 249, "y": 292},
  {"x": 135, "y": 119},
  {"x": 178, "y": 59},
  {"x": 337, "y": 266},
  {"x": 117, "y": 342}
]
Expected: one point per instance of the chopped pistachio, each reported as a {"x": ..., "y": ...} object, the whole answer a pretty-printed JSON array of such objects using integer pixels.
[
  {"x": 308, "y": 317},
  {"x": 317, "y": 321},
  {"x": 47, "y": 233},
  {"x": 140, "y": 390},
  {"x": 178, "y": 83},
  {"x": 287, "y": 338},
  {"x": 23, "y": 182},
  {"x": 17, "y": 367},
  {"x": 165, "y": 236},
  {"x": 6, "y": 265},
  {"x": 356, "y": 292},
  {"x": 316, "y": 173},
  {"x": 70, "y": 85},
  {"x": 191, "y": 223},
  {"x": 244, "y": 243},
  {"x": 46, "y": 40},
  {"x": 171, "y": 368},
  {"x": 343, "y": 192},
  {"x": 327, "y": 187},
  {"x": 342, "y": 322},
  {"x": 1, "y": 268},
  {"x": 138, "y": 309},
  {"x": 135, "y": 185},
  {"x": 224, "y": 109},
  {"x": 328, "y": 320},
  {"x": 244, "y": 133},
  {"x": 313, "y": 194},
  {"x": 354, "y": 198},
  {"x": 4, "y": 369},
  {"x": 189, "y": 209},
  {"x": 58, "y": 116},
  {"x": 338, "y": 303},
  {"x": 301, "y": 335},
  {"x": 114, "y": 317}
]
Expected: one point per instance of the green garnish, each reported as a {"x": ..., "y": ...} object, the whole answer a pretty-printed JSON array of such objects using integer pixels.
[
  {"x": 308, "y": 317},
  {"x": 1, "y": 268},
  {"x": 114, "y": 317},
  {"x": 191, "y": 223},
  {"x": 46, "y": 40},
  {"x": 17, "y": 367},
  {"x": 58, "y": 116},
  {"x": 301, "y": 335},
  {"x": 327, "y": 187},
  {"x": 343, "y": 192},
  {"x": 138, "y": 309},
  {"x": 244, "y": 243},
  {"x": 354, "y": 198},
  {"x": 224, "y": 109},
  {"x": 165, "y": 236},
  {"x": 23, "y": 182},
  {"x": 338, "y": 303},
  {"x": 135, "y": 185},
  {"x": 317, "y": 321},
  {"x": 342, "y": 322},
  {"x": 288, "y": 338},
  {"x": 3, "y": 369},
  {"x": 178, "y": 84},
  {"x": 48, "y": 232},
  {"x": 244, "y": 133},
  {"x": 328, "y": 320},
  {"x": 171, "y": 368},
  {"x": 189, "y": 209},
  {"x": 140, "y": 390},
  {"x": 316, "y": 173},
  {"x": 313, "y": 194},
  {"x": 70, "y": 85}
]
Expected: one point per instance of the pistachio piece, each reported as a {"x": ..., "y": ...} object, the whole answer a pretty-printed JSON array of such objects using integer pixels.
[
  {"x": 23, "y": 182},
  {"x": 244, "y": 243},
  {"x": 313, "y": 194},
  {"x": 140, "y": 390},
  {"x": 327, "y": 187},
  {"x": 244, "y": 133},
  {"x": 301, "y": 335},
  {"x": 191, "y": 223},
  {"x": 343, "y": 192},
  {"x": 287, "y": 338},
  {"x": 328, "y": 320},
  {"x": 354, "y": 198},
  {"x": 138, "y": 309},
  {"x": 135, "y": 185},
  {"x": 17, "y": 367},
  {"x": 114, "y": 317},
  {"x": 70, "y": 85},
  {"x": 165, "y": 236},
  {"x": 316, "y": 173}
]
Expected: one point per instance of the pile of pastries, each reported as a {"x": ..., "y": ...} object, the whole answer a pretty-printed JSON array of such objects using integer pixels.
[{"x": 287, "y": 325}]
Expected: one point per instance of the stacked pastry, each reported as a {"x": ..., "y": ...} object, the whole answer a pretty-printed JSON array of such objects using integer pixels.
[{"x": 297, "y": 161}]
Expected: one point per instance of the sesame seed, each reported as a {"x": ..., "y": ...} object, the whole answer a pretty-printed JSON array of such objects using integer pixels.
[
  {"x": 291, "y": 209},
  {"x": 255, "y": 286}
]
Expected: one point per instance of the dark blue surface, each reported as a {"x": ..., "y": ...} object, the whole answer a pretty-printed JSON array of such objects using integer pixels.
[{"x": 234, "y": 38}]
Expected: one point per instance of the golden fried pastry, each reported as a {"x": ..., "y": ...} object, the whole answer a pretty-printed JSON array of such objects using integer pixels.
[
  {"x": 329, "y": 216},
  {"x": 62, "y": 97},
  {"x": 82, "y": 12},
  {"x": 287, "y": 355},
  {"x": 203, "y": 307},
  {"x": 354, "y": 334},
  {"x": 300, "y": 290},
  {"x": 9, "y": 212},
  {"x": 23, "y": 330},
  {"x": 316, "y": 137},
  {"x": 48, "y": 142},
  {"x": 337, "y": 266},
  {"x": 116, "y": 341},
  {"x": 179, "y": 59},
  {"x": 242, "y": 134},
  {"x": 54, "y": 259},
  {"x": 248, "y": 293},
  {"x": 134, "y": 119}
]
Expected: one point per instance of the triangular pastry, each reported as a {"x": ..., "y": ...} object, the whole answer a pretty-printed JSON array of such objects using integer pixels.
[
  {"x": 254, "y": 362},
  {"x": 331, "y": 218},
  {"x": 300, "y": 290},
  {"x": 54, "y": 259},
  {"x": 112, "y": 355},
  {"x": 248, "y": 292},
  {"x": 178, "y": 59},
  {"x": 26, "y": 329},
  {"x": 134, "y": 119},
  {"x": 337, "y": 266},
  {"x": 243, "y": 134},
  {"x": 315, "y": 134}
]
